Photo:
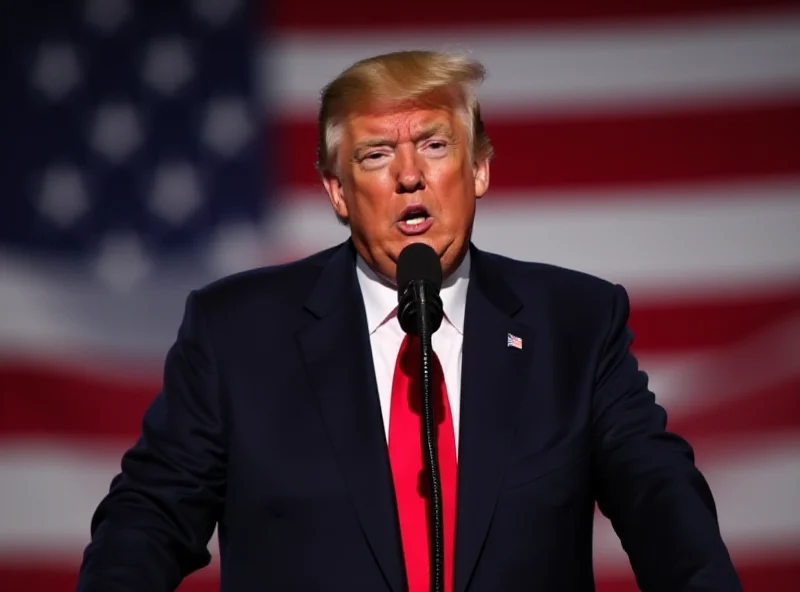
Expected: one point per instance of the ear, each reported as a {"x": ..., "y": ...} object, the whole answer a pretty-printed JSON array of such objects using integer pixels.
[
  {"x": 480, "y": 170},
  {"x": 333, "y": 186}
]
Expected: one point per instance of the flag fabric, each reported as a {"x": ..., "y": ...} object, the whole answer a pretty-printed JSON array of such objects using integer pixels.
[{"x": 150, "y": 147}]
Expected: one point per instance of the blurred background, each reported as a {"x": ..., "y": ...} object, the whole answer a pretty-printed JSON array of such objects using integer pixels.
[{"x": 149, "y": 147}]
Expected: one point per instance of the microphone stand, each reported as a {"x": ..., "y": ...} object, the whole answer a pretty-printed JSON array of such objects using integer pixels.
[{"x": 428, "y": 315}]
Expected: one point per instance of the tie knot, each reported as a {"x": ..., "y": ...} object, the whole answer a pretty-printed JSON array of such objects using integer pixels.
[
  {"x": 409, "y": 365},
  {"x": 409, "y": 357}
]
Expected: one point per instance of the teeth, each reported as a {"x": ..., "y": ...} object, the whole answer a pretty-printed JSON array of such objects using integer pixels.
[{"x": 415, "y": 221}]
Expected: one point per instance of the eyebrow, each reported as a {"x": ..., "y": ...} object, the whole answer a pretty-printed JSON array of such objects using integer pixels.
[{"x": 424, "y": 134}]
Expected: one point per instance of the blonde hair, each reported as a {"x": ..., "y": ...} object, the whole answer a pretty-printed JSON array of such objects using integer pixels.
[{"x": 395, "y": 80}]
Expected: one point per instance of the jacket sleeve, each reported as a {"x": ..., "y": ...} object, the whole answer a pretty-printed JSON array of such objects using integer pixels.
[
  {"x": 647, "y": 484},
  {"x": 152, "y": 528}
]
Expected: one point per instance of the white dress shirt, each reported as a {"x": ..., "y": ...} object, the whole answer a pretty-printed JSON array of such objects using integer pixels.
[{"x": 386, "y": 335}]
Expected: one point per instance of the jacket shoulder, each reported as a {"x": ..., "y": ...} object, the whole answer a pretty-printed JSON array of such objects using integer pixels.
[
  {"x": 549, "y": 279},
  {"x": 571, "y": 302},
  {"x": 265, "y": 287}
]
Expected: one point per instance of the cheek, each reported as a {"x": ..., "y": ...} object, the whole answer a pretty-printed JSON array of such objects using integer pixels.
[
  {"x": 370, "y": 197},
  {"x": 367, "y": 188},
  {"x": 456, "y": 189}
]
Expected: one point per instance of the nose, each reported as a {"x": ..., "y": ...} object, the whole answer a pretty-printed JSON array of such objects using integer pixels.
[{"x": 408, "y": 174}]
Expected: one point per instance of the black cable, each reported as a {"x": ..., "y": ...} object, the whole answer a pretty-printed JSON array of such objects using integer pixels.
[{"x": 429, "y": 443}]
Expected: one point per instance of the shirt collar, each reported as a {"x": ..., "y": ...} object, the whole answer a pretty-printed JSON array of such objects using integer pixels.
[{"x": 380, "y": 298}]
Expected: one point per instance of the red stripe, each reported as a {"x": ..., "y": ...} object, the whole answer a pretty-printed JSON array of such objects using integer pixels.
[
  {"x": 708, "y": 323},
  {"x": 769, "y": 410},
  {"x": 44, "y": 577},
  {"x": 613, "y": 150},
  {"x": 768, "y": 576},
  {"x": 41, "y": 399},
  {"x": 44, "y": 403},
  {"x": 323, "y": 16}
]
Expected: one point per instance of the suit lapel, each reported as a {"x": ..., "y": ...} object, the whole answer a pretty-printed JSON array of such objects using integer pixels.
[
  {"x": 336, "y": 350},
  {"x": 494, "y": 375}
]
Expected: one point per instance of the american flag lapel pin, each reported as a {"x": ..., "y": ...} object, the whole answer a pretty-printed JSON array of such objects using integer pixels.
[{"x": 514, "y": 341}]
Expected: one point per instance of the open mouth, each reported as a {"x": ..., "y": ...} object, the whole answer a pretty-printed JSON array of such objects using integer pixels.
[{"x": 415, "y": 220}]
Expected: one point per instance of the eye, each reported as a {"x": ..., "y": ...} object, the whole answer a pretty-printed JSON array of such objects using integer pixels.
[
  {"x": 373, "y": 159},
  {"x": 436, "y": 146}
]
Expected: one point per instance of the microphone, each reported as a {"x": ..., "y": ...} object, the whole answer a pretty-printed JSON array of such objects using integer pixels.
[{"x": 419, "y": 279}]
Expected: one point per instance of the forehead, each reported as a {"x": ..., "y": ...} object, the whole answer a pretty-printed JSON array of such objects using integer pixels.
[{"x": 401, "y": 124}]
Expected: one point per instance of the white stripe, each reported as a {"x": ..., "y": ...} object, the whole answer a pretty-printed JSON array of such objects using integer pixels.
[
  {"x": 694, "y": 382},
  {"x": 656, "y": 242},
  {"x": 755, "y": 491},
  {"x": 666, "y": 244},
  {"x": 50, "y": 492},
  {"x": 538, "y": 69},
  {"x": 69, "y": 312}
]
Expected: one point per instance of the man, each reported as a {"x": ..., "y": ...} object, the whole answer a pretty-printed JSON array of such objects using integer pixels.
[{"x": 287, "y": 415}]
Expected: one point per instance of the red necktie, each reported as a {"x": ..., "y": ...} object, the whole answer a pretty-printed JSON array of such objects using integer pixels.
[{"x": 410, "y": 480}]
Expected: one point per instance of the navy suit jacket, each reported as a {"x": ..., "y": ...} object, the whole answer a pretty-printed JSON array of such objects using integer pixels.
[{"x": 269, "y": 426}]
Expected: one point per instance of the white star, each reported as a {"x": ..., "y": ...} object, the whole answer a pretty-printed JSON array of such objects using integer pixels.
[
  {"x": 122, "y": 262},
  {"x": 56, "y": 70},
  {"x": 116, "y": 132},
  {"x": 176, "y": 192},
  {"x": 236, "y": 246},
  {"x": 227, "y": 126},
  {"x": 216, "y": 12},
  {"x": 107, "y": 15},
  {"x": 63, "y": 197},
  {"x": 167, "y": 65}
]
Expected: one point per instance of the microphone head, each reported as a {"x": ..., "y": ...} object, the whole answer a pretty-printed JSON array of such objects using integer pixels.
[
  {"x": 419, "y": 279},
  {"x": 418, "y": 261}
]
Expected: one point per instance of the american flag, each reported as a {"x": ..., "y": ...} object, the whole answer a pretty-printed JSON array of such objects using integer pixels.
[
  {"x": 149, "y": 147},
  {"x": 514, "y": 341}
]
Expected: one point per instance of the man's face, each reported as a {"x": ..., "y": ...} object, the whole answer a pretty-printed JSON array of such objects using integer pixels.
[{"x": 407, "y": 177}]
